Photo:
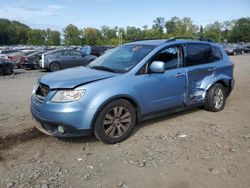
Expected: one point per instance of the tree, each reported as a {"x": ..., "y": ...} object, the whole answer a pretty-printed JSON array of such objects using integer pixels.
[
  {"x": 36, "y": 37},
  {"x": 52, "y": 38},
  {"x": 172, "y": 26},
  {"x": 133, "y": 33},
  {"x": 92, "y": 36},
  {"x": 159, "y": 23},
  {"x": 214, "y": 31},
  {"x": 109, "y": 35},
  {"x": 240, "y": 31},
  {"x": 13, "y": 32},
  {"x": 72, "y": 35}
]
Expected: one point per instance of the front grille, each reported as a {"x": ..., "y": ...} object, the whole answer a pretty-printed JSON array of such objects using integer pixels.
[{"x": 42, "y": 91}]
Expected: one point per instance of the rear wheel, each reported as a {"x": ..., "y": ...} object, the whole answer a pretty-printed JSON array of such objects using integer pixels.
[
  {"x": 215, "y": 98},
  {"x": 115, "y": 122},
  {"x": 1, "y": 71},
  {"x": 54, "y": 67}
]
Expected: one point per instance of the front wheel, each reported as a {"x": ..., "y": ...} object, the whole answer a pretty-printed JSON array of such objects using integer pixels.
[
  {"x": 54, "y": 67},
  {"x": 115, "y": 122},
  {"x": 215, "y": 98}
]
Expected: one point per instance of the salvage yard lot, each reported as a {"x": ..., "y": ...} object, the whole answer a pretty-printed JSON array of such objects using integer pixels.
[{"x": 190, "y": 149}]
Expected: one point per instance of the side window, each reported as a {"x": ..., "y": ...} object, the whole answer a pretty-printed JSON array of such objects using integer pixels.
[
  {"x": 74, "y": 53},
  {"x": 59, "y": 53},
  {"x": 216, "y": 54},
  {"x": 170, "y": 56},
  {"x": 197, "y": 54}
]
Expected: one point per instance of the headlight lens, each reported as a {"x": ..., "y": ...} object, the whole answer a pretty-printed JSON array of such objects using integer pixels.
[
  {"x": 68, "y": 95},
  {"x": 34, "y": 89}
]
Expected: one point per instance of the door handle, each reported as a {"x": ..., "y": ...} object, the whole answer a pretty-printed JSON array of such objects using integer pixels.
[
  {"x": 179, "y": 75},
  {"x": 74, "y": 57}
]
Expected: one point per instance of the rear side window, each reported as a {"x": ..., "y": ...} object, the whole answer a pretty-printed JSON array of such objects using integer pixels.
[
  {"x": 74, "y": 53},
  {"x": 216, "y": 54},
  {"x": 197, "y": 54}
]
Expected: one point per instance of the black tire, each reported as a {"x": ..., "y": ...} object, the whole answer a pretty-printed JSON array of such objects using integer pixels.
[
  {"x": 215, "y": 101},
  {"x": 8, "y": 69},
  {"x": 1, "y": 71},
  {"x": 107, "y": 123},
  {"x": 54, "y": 67}
]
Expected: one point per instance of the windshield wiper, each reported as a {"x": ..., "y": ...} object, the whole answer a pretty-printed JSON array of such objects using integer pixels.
[{"x": 102, "y": 68}]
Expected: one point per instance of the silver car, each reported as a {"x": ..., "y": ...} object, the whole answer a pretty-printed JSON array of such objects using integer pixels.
[{"x": 56, "y": 60}]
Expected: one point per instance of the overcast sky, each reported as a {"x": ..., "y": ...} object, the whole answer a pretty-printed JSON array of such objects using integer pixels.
[{"x": 56, "y": 14}]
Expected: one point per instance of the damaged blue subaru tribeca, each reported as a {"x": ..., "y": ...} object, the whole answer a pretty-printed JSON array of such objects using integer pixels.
[{"x": 131, "y": 83}]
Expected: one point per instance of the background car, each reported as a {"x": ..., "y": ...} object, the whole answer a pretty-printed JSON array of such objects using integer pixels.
[
  {"x": 4, "y": 53},
  {"x": 246, "y": 48},
  {"x": 56, "y": 60},
  {"x": 234, "y": 49},
  {"x": 31, "y": 61},
  {"x": 99, "y": 50},
  {"x": 6, "y": 67}
]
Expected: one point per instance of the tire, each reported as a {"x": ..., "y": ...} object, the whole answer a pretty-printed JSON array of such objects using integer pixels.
[
  {"x": 215, "y": 98},
  {"x": 8, "y": 69},
  {"x": 54, "y": 67},
  {"x": 115, "y": 122},
  {"x": 1, "y": 71}
]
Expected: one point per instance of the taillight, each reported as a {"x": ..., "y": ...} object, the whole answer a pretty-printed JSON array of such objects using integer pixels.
[{"x": 24, "y": 59}]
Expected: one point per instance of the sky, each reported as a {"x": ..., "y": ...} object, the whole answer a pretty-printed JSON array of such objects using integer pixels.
[{"x": 56, "y": 14}]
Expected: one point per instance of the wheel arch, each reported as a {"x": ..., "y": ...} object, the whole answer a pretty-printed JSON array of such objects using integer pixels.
[
  {"x": 128, "y": 98},
  {"x": 223, "y": 82}
]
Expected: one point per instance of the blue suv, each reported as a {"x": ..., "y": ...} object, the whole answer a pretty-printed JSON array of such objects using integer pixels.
[{"x": 131, "y": 83}]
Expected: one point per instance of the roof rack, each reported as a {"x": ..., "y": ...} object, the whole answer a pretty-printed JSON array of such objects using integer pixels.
[{"x": 200, "y": 38}]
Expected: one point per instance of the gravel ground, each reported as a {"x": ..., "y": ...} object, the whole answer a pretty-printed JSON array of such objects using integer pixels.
[{"x": 192, "y": 149}]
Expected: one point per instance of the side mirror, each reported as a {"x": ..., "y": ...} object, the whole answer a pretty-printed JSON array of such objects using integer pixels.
[{"x": 157, "y": 67}]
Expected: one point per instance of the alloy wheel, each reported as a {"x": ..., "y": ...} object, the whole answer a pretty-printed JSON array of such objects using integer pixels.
[
  {"x": 117, "y": 121},
  {"x": 218, "y": 98}
]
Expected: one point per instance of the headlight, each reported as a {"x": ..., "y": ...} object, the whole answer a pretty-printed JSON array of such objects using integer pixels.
[
  {"x": 68, "y": 95},
  {"x": 34, "y": 89}
]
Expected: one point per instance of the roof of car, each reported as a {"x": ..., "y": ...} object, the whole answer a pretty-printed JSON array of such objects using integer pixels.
[
  {"x": 149, "y": 42},
  {"x": 161, "y": 41}
]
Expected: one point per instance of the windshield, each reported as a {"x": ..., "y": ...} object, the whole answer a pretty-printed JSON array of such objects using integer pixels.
[{"x": 121, "y": 59}]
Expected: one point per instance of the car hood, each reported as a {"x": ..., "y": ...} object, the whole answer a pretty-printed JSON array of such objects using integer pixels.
[{"x": 71, "y": 78}]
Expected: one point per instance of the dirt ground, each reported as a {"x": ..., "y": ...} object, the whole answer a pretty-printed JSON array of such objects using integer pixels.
[{"x": 192, "y": 149}]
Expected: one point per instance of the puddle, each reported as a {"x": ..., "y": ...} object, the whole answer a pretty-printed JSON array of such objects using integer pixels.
[{"x": 11, "y": 140}]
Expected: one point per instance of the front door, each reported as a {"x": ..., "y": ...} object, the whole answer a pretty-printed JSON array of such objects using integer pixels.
[{"x": 166, "y": 90}]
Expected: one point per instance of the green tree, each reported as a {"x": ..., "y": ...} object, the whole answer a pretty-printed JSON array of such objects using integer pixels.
[
  {"x": 13, "y": 32},
  {"x": 92, "y": 36},
  {"x": 72, "y": 35},
  {"x": 52, "y": 37},
  {"x": 36, "y": 37},
  {"x": 240, "y": 31},
  {"x": 109, "y": 35},
  {"x": 214, "y": 31}
]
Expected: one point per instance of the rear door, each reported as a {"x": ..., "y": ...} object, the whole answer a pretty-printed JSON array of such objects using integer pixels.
[
  {"x": 200, "y": 70},
  {"x": 76, "y": 57}
]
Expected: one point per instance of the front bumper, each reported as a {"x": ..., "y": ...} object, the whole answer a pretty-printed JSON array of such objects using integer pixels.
[{"x": 73, "y": 117}]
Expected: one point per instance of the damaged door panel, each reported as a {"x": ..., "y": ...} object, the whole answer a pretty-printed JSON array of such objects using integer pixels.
[
  {"x": 200, "y": 71},
  {"x": 199, "y": 80}
]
